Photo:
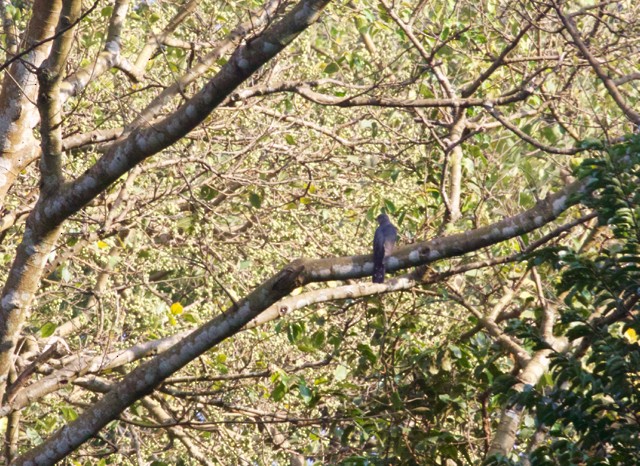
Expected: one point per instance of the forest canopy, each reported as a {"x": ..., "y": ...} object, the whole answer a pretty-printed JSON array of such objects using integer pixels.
[{"x": 188, "y": 199}]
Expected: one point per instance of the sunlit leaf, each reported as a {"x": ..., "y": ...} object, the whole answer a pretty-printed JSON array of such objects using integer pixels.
[{"x": 176, "y": 309}]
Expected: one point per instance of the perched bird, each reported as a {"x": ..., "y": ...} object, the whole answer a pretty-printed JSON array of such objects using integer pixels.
[{"x": 383, "y": 243}]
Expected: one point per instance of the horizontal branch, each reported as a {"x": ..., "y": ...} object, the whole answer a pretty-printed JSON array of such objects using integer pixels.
[
  {"x": 545, "y": 211},
  {"x": 81, "y": 365},
  {"x": 304, "y": 90},
  {"x": 145, "y": 378}
]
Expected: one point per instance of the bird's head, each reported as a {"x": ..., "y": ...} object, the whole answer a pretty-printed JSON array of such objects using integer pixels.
[{"x": 382, "y": 218}]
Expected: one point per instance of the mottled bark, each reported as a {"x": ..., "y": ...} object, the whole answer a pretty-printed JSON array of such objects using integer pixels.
[
  {"x": 39, "y": 237},
  {"x": 512, "y": 415},
  {"x": 75, "y": 366},
  {"x": 107, "y": 59},
  {"x": 454, "y": 155},
  {"x": 20, "y": 287},
  {"x": 18, "y": 114},
  {"x": 12, "y": 433},
  {"x": 49, "y": 102}
]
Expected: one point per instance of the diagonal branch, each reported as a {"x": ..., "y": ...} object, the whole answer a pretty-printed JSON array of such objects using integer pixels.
[
  {"x": 108, "y": 58},
  {"x": 144, "y": 142},
  {"x": 525, "y": 137},
  {"x": 43, "y": 224},
  {"x": 609, "y": 83},
  {"x": 499, "y": 61},
  {"x": 156, "y": 39},
  {"x": 232, "y": 39},
  {"x": 148, "y": 376}
]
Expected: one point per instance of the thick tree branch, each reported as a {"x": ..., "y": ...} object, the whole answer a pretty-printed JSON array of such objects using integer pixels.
[
  {"x": 453, "y": 156},
  {"x": 144, "y": 142},
  {"x": 18, "y": 94},
  {"x": 505, "y": 436},
  {"x": 44, "y": 222},
  {"x": 148, "y": 376},
  {"x": 44, "y": 41},
  {"x": 232, "y": 39},
  {"x": 75, "y": 366},
  {"x": 107, "y": 59},
  {"x": 49, "y": 103}
]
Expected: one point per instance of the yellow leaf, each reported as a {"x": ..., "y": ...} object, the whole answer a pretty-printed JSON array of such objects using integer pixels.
[
  {"x": 176, "y": 309},
  {"x": 631, "y": 335},
  {"x": 102, "y": 245}
]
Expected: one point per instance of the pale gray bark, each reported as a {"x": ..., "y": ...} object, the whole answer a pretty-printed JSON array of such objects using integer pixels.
[
  {"x": 18, "y": 114},
  {"x": 511, "y": 417}
]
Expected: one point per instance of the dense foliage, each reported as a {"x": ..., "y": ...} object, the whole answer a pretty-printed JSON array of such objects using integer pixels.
[
  {"x": 170, "y": 162},
  {"x": 591, "y": 407}
]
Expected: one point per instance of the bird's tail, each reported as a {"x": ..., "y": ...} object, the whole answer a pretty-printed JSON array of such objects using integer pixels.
[{"x": 378, "y": 273}]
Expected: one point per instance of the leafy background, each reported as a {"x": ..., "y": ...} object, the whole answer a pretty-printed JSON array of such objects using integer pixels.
[{"x": 412, "y": 377}]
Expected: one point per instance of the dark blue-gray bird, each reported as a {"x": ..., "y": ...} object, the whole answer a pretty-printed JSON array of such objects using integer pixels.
[{"x": 383, "y": 243}]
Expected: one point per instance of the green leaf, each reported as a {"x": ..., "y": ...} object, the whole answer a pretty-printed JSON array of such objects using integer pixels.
[
  {"x": 69, "y": 413},
  {"x": 591, "y": 143},
  {"x": 318, "y": 339},
  {"x": 579, "y": 331},
  {"x": 190, "y": 318},
  {"x": 455, "y": 350},
  {"x": 331, "y": 68},
  {"x": 33, "y": 436},
  {"x": 295, "y": 331},
  {"x": 389, "y": 206},
  {"x": 305, "y": 393},
  {"x": 367, "y": 353},
  {"x": 47, "y": 329},
  {"x": 396, "y": 401},
  {"x": 255, "y": 200},
  {"x": 278, "y": 392},
  {"x": 340, "y": 373},
  {"x": 208, "y": 193}
]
